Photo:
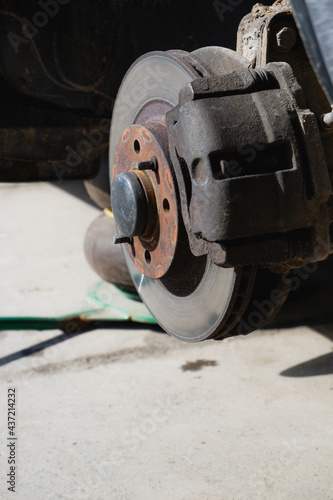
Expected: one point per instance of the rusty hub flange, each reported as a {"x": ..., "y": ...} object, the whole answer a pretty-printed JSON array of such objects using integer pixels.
[{"x": 153, "y": 251}]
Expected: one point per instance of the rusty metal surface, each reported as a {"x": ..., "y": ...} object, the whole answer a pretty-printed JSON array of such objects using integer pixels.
[
  {"x": 258, "y": 40},
  {"x": 269, "y": 34},
  {"x": 153, "y": 251},
  {"x": 217, "y": 202}
]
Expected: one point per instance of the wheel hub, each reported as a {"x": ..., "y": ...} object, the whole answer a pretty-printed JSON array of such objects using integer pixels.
[{"x": 144, "y": 199}]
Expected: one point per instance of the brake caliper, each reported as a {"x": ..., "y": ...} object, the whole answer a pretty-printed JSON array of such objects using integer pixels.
[{"x": 251, "y": 170}]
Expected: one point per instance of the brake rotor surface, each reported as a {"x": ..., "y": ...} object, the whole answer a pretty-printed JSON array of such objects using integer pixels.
[{"x": 195, "y": 299}]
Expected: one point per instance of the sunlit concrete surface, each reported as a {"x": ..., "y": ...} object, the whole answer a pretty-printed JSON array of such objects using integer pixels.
[{"x": 131, "y": 413}]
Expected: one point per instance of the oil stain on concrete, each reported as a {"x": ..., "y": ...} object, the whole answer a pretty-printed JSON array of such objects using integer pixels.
[{"x": 195, "y": 366}]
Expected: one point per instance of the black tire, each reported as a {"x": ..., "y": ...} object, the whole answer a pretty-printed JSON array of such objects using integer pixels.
[
  {"x": 106, "y": 258},
  {"x": 98, "y": 188}
]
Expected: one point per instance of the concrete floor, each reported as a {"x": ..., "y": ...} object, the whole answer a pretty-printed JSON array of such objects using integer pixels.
[{"x": 130, "y": 413}]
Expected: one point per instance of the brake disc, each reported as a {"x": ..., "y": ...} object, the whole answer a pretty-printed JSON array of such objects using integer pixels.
[{"x": 190, "y": 297}]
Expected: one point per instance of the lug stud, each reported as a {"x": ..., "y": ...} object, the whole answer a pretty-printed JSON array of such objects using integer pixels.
[
  {"x": 149, "y": 165},
  {"x": 118, "y": 240}
]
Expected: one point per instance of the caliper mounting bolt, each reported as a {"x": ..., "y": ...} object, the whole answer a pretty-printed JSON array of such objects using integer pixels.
[{"x": 286, "y": 38}]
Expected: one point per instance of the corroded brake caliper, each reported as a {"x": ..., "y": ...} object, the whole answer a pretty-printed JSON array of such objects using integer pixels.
[
  {"x": 251, "y": 163},
  {"x": 250, "y": 166}
]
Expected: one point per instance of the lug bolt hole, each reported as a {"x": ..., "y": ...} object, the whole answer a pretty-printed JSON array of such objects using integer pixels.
[
  {"x": 166, "y": 205},
  {"x": 137, "y": 147},
  {"x": 147, "y": 257}
]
